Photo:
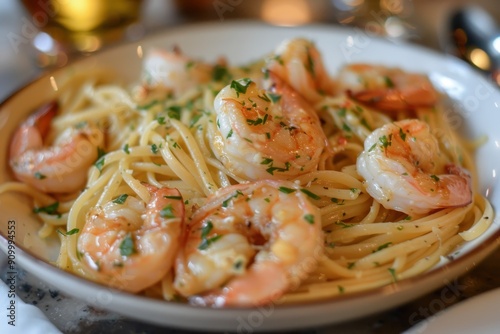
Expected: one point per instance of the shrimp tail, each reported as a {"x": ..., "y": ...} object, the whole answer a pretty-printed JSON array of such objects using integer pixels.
[
  {"x": 41, "y": 120},
  {"x": 380, "y": 98},
  {"x": 390, "y": 101},
  {"x": 43, "y": 117},
  {"x": 459, "y": 184}
]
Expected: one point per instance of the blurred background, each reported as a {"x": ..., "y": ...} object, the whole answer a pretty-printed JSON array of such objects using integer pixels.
[
  {"x": 36, "y": 35},
  {"x": 39, "y": 35}
]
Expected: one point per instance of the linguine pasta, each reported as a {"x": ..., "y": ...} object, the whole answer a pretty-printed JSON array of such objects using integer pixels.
[{"x": 167, "y": 139}]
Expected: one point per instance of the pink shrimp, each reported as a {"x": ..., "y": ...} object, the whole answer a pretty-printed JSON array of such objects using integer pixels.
[
  {"x": 299, "y": 63},
  {"x": 266, "y": 134},
  {"x": 405, "y": 171},
  {"x": 61, "y": 168},
  {"x": 174, "y": 71},
  {"x": 255, "y": 239},
  {"x": 131, "y": 247},
  {"x": 388, "y": 89}
]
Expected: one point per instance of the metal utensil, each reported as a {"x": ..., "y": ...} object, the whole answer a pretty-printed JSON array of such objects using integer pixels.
[{"x": 475, "y": 37}]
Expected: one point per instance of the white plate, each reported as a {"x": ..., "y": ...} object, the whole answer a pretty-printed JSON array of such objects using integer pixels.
[
  {"x": 476, "y": 315},
  {"x": 242, "y": 42}
]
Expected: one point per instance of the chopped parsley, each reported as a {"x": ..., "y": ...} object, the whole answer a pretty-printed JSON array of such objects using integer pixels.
[
  {"x": 346, "y": 127},
  {"x": 220, "y": 73},
  {"x": 99, "y": 164},
  {"x": 310, "y": 194},
  {"x": 174, "y": 112},
  {"x": 226, "y": 202},
  {"x": 70, "y": 232},
  {"x": 120, "y": 199},
  {"x": 126, "y": 149},
  {"x": 167, "y": 212},
  {"x": 279, "y": 60},
  {"x": 258, "y": 121},
  {"x": 273, "y": 169},
  {"x": 264, "y": 97},
  {"x": 178, "y": 198},
  {"x": 160, "y": 120},
  {"x": 364, "y": 122},
  {"x": 343, "y": 225},
  {"x": 385, "y": 141},
  {"x": 127, "y": 247},
  {"x": 240, "y": 86},
  {"x": 402, "y": 134},
  {"x": 310, "y": 63},
  {"x": 387, "y": 244},
  {"x": 286, "y": 190},
  {"x": 388, "y": 82},
  {"x": 238, "y": 265},
  {"x": 274, "y": 97},
  {"x": 39, "y": 176},
  {"x": 148, "y": 105},
  {"x": 205, "y": 243},
  {"x": 49, "y": 209},
  {"x": 205, "y": 231},
  {"x": 195, "y": 119},
  {"x": 309, "y": 218},
  {"x": 392, "y": 271}
]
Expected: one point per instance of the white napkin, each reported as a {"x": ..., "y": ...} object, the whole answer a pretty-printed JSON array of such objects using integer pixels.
[{"x": 18, "y": 317}]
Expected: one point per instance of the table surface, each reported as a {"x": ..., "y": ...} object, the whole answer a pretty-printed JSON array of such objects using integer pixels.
[{"x": 18, "y": 67}]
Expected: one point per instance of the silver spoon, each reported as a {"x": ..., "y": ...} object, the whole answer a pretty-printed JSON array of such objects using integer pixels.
[{"x": 475, "y": 37}]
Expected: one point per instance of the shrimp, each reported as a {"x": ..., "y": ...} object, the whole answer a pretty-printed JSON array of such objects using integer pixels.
[
  {"x": 405, "y": 171},
  {"x": 126, "y": 245},
  {"x": 174, "y": 71},
  {"x": 61, "y": 168},
  {"x": 388, "y": 89},
  {"x": 298, "y": 63},
  {"x": 266, "y": 134},
  {"x": 257, "y": 240}
]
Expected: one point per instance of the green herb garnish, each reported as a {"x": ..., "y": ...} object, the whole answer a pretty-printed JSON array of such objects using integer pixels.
[
  {"x": 309, "y": 218},
  {"x": 127, "y": 247},
  {"x": 70, "y": 232},
  {"x": 310, "y": 194},
  {"x": 39, "y": 176},
  {"x": 286, "y": 190},
  {"x": 120, "y": 199},
  {"x": 167, "y": 212},
  {"x": 49, "y": 209},
  {"x": 240, "y": 86}
]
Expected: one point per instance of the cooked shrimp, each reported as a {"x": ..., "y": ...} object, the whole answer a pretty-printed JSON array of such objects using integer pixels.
[
  {"x": 298, "y": 62},
  {"x": 388, "y": 89},
  {"x": 174, "y": 71},
  {"x": 61, "y": 168},
  {"x": 266, "y": 134},
  {"x": 405, "y": 171},
  {"x": 129, "y": 246},
  {"x": 249, "y": 244}
]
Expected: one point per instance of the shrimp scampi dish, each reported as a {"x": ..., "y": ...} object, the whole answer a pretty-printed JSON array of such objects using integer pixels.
[{"x": 223, "y": 185}]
